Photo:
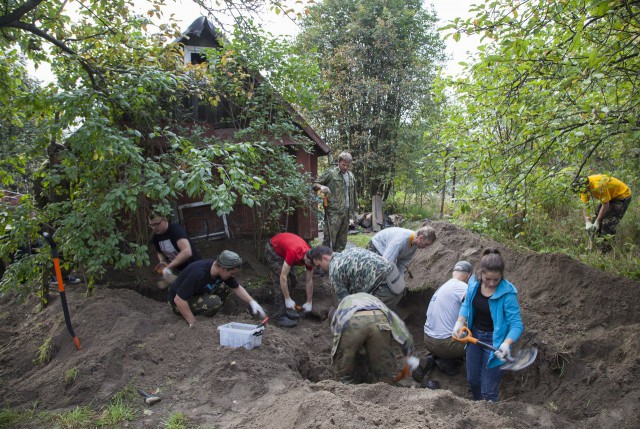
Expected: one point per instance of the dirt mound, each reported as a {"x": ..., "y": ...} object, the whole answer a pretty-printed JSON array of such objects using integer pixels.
[{"x": 584, "y": 322}]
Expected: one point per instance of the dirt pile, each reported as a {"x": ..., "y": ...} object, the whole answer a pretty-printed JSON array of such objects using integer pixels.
[{"x": 584, "y": 322}]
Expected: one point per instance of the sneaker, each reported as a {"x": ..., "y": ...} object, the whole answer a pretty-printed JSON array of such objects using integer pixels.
[
  {"x": 425, "y": 366},
  {"x": 285, "y": 322},
  {"x": 73, "y": 279}
]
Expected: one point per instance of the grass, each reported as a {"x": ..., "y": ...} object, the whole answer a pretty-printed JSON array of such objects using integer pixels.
[
  {"x": 177, "y": 421},
  {"x": 45, "y": 352},
  {"x": 79, "y": 417},
  {"x": 70, "y": 376}
]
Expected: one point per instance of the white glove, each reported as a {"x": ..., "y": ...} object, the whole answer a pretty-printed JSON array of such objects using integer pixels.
[
  {"x": 456, "y": 328},
  {"x": 588, "y": 226},
  {"x": 596, "y": 226},
  {"x": 290, "y": 304},
  {"x": 307, "y": 307},
  {"x": 256, "y": 309},
  {"x": 325, "y": 190},
  {"x": 413, "y": 362},
  {"x": 503, "y": 352},
  {"x": 168, "y": 275}
]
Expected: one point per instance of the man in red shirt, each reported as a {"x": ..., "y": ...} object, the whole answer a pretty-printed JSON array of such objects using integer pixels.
[{"x": 283, "y": 252}]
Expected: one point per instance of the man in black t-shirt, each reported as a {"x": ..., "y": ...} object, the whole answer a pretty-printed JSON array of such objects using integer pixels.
[
  {"x": 203, "y": 287},
  {"x": 175, "y": 250}
]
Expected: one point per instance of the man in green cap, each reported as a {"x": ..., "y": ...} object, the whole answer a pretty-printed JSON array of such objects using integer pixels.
[{"x": 203, "y": 287}]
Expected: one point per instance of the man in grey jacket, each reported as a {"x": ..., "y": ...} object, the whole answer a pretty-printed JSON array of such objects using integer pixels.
[{"x": 398, "y": 245}]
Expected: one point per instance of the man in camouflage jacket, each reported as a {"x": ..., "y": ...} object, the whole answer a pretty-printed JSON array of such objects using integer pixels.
[
  {"x": 360, "y": 270},
  {"x": 363, "y": 322},
  {"x": 338, "y": 184}
]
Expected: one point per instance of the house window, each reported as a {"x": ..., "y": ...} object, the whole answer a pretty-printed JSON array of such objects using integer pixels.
[{"x": 198, "y": 58}]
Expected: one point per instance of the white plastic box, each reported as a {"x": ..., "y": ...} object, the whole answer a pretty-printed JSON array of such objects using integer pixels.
[{"x": 240, "y": 335}]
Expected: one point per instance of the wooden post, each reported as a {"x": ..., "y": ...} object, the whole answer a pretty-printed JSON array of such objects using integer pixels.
[{"x": 377, "y": 220}]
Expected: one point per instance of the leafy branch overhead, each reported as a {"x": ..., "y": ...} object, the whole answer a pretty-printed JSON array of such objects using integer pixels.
[{"x": 129, "y": 141}]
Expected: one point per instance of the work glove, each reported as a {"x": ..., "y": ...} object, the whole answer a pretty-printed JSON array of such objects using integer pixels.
[
  {"x": 325, "y": 190},
  {"x": 413, "y": 362},
  {"x": 588, "y": 226},
  {"x": 456, "y": 328},
  {"x": 307, "y": 307},
  {"x": 596, "y": 226},
  {"x": 503, "y": 352},
  {"x": 290, "y": 304},
  {"x": 256, "y": 309},
  {"x": 168, "y": 275}
]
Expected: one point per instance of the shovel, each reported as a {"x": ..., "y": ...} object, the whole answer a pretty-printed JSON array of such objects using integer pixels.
[
  {"x": 149, "y": 399},
  {"x": 521, "y": 360}
]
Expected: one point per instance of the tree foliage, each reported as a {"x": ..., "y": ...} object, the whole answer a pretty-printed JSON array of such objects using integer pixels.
[
  {"x": 131, "y": 144},
  {"x": 554, "y": 92},
  {"x": 379, "y": 57}
]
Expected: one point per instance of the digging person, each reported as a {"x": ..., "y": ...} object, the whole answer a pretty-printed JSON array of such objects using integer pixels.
[
  {"x": 492, "y": 313},
  {"x": 442, "y": 314},
  {"x": 203, "y": 287},
  {"x": 360, "y": 270},
  {"x": 175, "y": 250},
  {"x": 283, "y": 252},
  {"x": 339, "y": 184},
  {"x": 398, "y": 245},
  {"x": 363, "y": 331},
  {"x": 614, "y": 198}
]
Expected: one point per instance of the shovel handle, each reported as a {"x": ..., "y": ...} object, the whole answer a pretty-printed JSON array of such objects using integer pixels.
[{"x": 468, "y": 338}]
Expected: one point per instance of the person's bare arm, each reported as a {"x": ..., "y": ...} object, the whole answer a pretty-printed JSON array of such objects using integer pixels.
[
  {"x": 284, "y": 273},
  {"x": 185, "y": 310},
  {"x": 309, "y": 285},
  {"x": 184, "y": 254}
]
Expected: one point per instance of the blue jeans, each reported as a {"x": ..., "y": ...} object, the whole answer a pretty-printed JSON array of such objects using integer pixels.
[{"x": 484, "y": 382}]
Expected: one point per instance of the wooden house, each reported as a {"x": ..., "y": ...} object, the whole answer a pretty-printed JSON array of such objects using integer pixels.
[{"x": 198, "y": 218}]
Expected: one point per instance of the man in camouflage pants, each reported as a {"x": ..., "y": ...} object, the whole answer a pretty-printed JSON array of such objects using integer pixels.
[
  {"x": 339, "y": 185},
  {"x": 360, "y": 270},
  {"x": 203, "y": 287},
  {"x": 363, "y": 329}
]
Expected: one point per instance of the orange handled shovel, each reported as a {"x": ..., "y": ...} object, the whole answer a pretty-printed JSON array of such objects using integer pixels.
[
  {"x": 63, "y": 298},
  {"x": 521, "y": 360}
]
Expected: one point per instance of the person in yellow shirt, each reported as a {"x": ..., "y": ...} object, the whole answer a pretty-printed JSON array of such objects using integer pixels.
[{"x": 613, "y": 198}]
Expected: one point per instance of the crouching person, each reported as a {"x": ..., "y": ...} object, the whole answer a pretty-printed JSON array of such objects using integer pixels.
[
  {"x": 363, "y": 331},
  {"x": 203, "y": 287}
]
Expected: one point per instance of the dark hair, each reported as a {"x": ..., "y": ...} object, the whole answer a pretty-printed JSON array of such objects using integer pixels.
[
  {"x": 318, "y": 252},
  {"x": 491, "y": 261}
]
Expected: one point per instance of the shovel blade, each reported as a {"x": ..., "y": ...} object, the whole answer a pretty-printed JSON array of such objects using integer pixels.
[{"x": 521, "y": 360}]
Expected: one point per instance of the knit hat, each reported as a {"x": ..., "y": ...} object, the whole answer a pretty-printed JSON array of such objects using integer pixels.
[
  {"x": 463, "y": 266},
  {"x": 229, "y": 259}
]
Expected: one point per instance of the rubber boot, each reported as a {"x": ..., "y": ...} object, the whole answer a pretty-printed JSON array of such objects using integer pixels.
[{"x": 281, "y": 318}]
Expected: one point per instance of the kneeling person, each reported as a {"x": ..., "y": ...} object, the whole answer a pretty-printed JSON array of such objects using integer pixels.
[
  {"x": 363, "y": 331},
  {"x": 203, "y": 287}
]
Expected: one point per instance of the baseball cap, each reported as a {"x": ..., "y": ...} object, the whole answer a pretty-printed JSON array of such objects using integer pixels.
[
  {"x": 463, "y": 266},
  {"x": 229, "y": 259}
]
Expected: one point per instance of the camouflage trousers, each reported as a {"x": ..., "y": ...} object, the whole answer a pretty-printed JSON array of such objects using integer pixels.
[
  {"x": 207, "y": 304},
  {"x": 336, "y": 230},
  {"x": 617, "y": 209},
  {"x": 364, "y": 354}
]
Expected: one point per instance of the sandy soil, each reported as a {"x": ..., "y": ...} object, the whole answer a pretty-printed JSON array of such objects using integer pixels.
[{"x": 585, "y": 323}]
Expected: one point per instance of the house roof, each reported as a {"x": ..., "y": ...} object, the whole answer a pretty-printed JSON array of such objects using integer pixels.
[{"x": 202, "y": 33}]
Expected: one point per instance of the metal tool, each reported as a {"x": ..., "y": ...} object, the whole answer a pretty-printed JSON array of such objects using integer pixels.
[
  {"x": 327, "y": 222},
  {"x": 63, "y": 297},
  {"x": 521, "y": 360},
  {"x": 149, "y": 399}
]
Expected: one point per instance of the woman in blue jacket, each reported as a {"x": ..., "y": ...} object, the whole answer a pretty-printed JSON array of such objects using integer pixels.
[{"x": 492, "y": 314}]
